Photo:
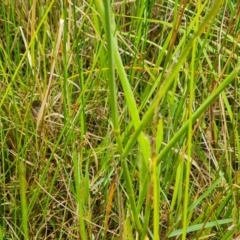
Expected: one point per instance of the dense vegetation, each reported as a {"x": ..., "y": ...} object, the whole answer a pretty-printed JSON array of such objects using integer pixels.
[{"x": 119, "y": 121}]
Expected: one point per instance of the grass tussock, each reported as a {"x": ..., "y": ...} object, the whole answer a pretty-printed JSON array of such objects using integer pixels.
[{"x": 119, "y": 121}]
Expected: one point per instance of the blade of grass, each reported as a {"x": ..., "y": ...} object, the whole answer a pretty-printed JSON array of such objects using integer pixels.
[
  {"x": 190, "y": 134},
  {"x": 111, "y": 71},
  {"x": 109, "y": 28},
  {"x": 156, "y": 199},
  {"x": 22, "y": 181},
  {"x": 200, "y": 226},
  {"x": 131, "y": 103}
]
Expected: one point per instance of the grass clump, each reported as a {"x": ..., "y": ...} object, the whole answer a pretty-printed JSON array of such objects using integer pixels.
[{"x": 119, "y": 121}]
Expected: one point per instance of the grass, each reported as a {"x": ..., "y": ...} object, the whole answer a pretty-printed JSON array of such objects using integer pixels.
[{"x": 119, "y": 121}]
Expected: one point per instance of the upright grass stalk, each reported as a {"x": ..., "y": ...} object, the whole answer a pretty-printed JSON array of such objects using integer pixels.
[
  {"x": 156, "y": 199},
  {"x": 113, "y": 100},
  {"x": 189, "y": 143},
  {"x": 65, "y": 86},
  {"x": 53, "y": 64},
  {"x": 190, "y": 134},
  {"x": 111, "y": 72},
  {"x": 114, "y": 54},
  {"x": 79, "y": 182},
  {"x": 80, "y": 71},
  {"x": 80, "y": 188},
  {"x": 23, "y": 187},
  {"x": 130, "y": 100},
  {"x": 33, "y": 26}
]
